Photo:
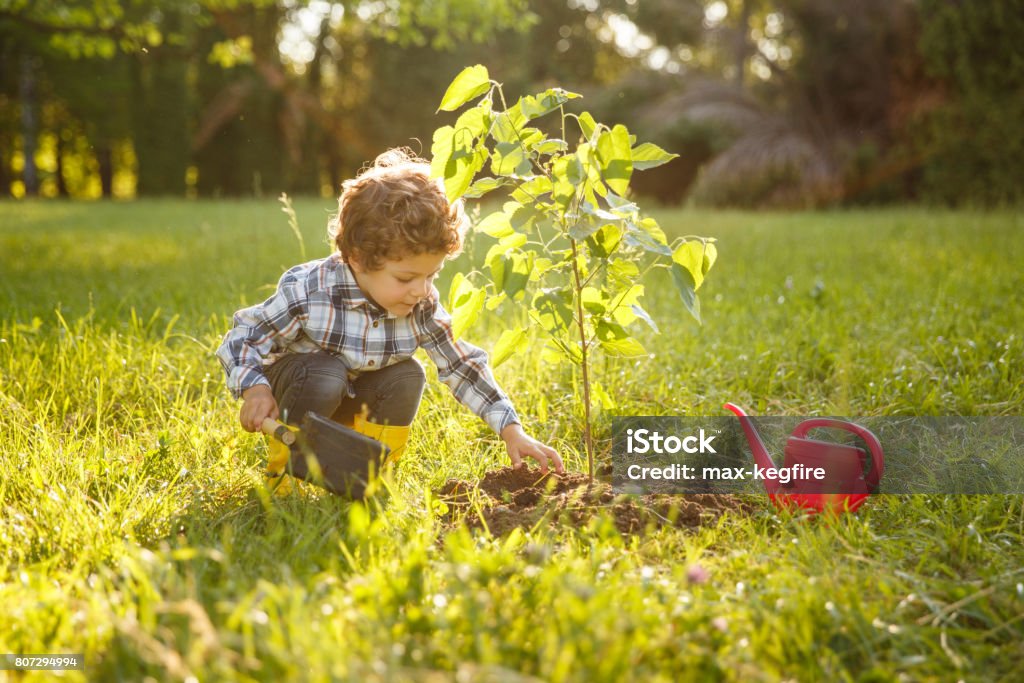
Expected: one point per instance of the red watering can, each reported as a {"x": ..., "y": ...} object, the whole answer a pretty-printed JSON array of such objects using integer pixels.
[{"x": 841, "y": 484}]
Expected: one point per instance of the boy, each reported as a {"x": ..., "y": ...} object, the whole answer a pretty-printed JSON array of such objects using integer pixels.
[{"x": 338, "y": 335}]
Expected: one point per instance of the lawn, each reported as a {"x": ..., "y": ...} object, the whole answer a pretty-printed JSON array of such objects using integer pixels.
[{"x": 135, "y": 528}]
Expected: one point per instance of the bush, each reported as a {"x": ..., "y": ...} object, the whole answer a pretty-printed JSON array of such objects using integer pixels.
[{"x": 974, "y": 144}]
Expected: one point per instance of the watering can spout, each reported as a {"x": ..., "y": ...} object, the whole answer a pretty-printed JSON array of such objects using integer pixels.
[{"x": 757, "y": 446}]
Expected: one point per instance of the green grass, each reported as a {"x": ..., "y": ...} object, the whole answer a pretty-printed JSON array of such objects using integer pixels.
[{"x": 134, "y": 527}]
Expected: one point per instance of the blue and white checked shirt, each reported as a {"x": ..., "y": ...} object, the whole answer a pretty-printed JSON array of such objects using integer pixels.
[{"x": 319, "y": 306}]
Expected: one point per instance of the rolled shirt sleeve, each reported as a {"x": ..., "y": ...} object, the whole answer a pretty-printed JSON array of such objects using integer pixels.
[
  {"x": 462, "y": 366},
  {"x": 261, "y": 330}
]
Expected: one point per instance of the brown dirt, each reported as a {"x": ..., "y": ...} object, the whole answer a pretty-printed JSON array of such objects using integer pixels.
[{"x": 522, "y": 498}]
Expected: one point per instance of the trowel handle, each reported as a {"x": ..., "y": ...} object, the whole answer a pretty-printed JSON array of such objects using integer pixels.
[
  {"x": 874, "y": 476},
  {"x": 278, "y": 430}
]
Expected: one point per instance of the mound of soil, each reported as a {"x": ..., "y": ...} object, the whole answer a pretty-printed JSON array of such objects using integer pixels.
[{"x": 522, "y": 498}]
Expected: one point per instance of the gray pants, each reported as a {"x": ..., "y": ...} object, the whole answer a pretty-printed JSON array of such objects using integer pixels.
[{"x": 319, "y": 382}]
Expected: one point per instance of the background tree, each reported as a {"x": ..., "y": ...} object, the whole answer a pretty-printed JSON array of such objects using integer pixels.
[
  {"x": 974, "y": 141},
  {"x": 767, "y": 102}
]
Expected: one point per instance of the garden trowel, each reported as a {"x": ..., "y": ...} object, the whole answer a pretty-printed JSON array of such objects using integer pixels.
[{"x": 325, "y": 453}]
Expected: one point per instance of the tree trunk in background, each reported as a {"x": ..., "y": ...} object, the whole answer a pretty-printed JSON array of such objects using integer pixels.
[
  {"x": 334, "y": 163},
  {"x": 62, "y": 185},
  {"x": 105, "y": 158},
  {"x": 221, "y": 94},
  {"x": 29, "y": 125},
  {"x": 241, "y": 151},
  {"x": 161, "y": 117},
  {"x": 265, "y": 160},
  {"x": 5, "y": 166}
]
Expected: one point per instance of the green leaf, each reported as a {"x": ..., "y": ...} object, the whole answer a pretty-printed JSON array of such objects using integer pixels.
[
  {"x": 458, "y": 289},
  {"x": 551, "y": 146},
  {"x": 522, "y": 217},
  {"x": 566, "y": 173},
  {"x": 484, "y": 185},
  {"x": 651, "y": 227},
  {"x": 557, "y": 351},
  {"x": 532, "y": 190},
  {"x": 597, "y": 211},
  {"x": 607, "y": 402},
  {"x": 498, "y": 274},
  {"x": 692, "y": 255},
  {"x": 575, "y": 172},
  {"x": 616, "y": 158},
  {"x": 639, "y": 311},
  {"x": 605, "y": 241},
  {"x": 629, "y": 297},
  {"x": 513, "y": 240},
  {"x": 534, "y": 106},
  {"x": 552, "y": 310},
  {"x": 644, "y": 241},
  {"x": 474, "y": 122},
  {"x": 509, "y": 343},
  {"x": 623, "y": 303},
  {"x": 460, "y": 171},
  {"x": 590, "y": 164},
  {"x": 587, "y": 125},
  {"x": 496, "y": 225},
  {"x": 467, "y": 303},
  {"x": 584, "y": 228},
  {"x": 507, "y": 125},
  {"x": 516, "y": 274},
  {"x": 563, "y": 192},
  {"x": 471, "y": 82},
  {"x": 684, "y": 283},
  {"x": 593, "y": 300},
  {"x": 506, "y": 158},
  {"x": 648, "y": 155},
  {"x": 710, "y": 256},
  {"x": 496, "y": 300},
  {"x": 647, "y": 235},
  {"x": 441, "y": 150},
  {"x": 455, "y": 163},
  {"x": 540, "y": 266},
  {"x": 622, "y": 271},
  {"x": 621, "y": 206},
  {"x": 616, "y": 341}
]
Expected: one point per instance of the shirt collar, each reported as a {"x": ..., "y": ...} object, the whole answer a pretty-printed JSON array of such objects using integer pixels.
[{"x": 352, "y": 296}]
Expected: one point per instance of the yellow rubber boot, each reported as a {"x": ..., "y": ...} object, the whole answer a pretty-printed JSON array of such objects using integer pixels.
[
  {"x": 277, "y": 460},
  {"x": 391, "y": 436}
]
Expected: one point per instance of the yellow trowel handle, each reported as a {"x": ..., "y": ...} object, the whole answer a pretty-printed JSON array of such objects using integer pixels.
[{"x": 278, "y": 430}]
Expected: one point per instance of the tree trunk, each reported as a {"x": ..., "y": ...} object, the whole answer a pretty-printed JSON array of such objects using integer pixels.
[
  {"x": 5, "y": 166},
  {"x": 62, "y": 185},
  {"x": 334, "y": 162},
  {"x": 29, "y": 126},
  {"x": 160, "y": 95},
  {"x": 106, "y": 161}
]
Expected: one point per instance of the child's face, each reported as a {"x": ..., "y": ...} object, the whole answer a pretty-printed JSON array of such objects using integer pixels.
[{"x": 399, "y": 285}]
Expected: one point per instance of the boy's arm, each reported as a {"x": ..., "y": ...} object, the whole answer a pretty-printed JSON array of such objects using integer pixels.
[
  {"x": 464, "y": 368},
  {"x": 258, "y": 331}
]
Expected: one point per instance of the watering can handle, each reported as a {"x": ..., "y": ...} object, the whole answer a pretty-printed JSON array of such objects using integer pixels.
[{"x": 877, "y": 459}]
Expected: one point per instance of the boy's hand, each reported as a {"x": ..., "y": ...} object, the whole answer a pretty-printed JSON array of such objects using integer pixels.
[
  {"x": 259, "y": 404},
  {"x": 519, "y": 443}
]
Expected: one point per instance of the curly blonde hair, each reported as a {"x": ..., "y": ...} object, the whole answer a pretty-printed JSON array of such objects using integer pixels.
[{"x": 394, "y": 209}]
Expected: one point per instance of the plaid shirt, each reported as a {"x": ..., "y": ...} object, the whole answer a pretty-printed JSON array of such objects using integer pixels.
[{"x": 319, "y": 306}]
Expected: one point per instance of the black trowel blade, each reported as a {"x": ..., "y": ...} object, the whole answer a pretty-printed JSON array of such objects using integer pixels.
[{"x": 346, "y": 459}]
